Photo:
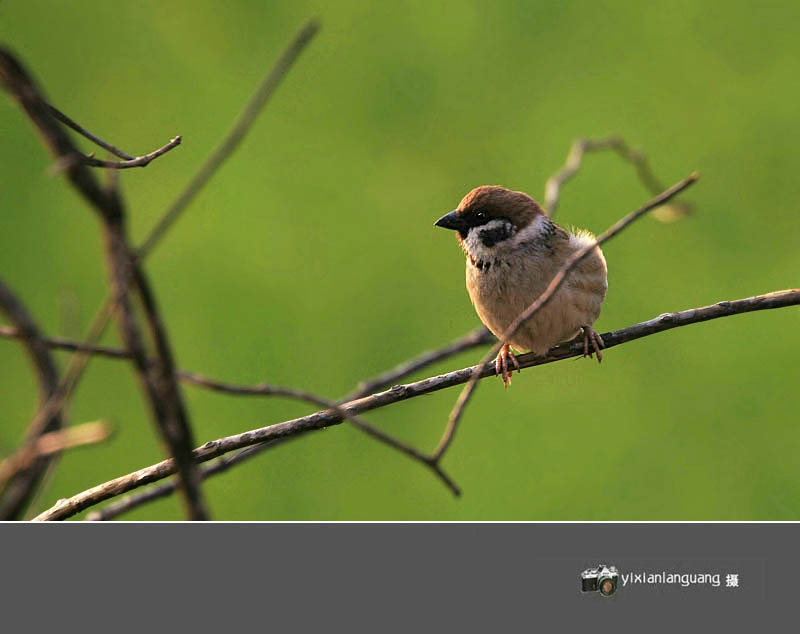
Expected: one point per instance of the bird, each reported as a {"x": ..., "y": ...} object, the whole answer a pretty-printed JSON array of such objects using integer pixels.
[{"x": 514, "y": 250}]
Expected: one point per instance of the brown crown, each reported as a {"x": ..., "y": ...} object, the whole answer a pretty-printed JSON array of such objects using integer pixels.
[{"x": 499, "y": 202}]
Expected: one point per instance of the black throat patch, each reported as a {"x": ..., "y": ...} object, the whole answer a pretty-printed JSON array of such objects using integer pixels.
[{"x": 490, "y": 237}]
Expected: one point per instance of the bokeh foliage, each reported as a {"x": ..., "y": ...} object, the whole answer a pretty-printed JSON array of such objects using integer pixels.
[{"x": 311, "y": 260}]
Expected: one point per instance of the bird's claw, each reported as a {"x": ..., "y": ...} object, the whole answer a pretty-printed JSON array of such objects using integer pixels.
[
  {"x": 501, "y": 364},
  {"x": 589, "y": 335}
]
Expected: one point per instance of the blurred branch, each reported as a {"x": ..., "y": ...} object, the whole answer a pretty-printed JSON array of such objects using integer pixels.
[
  {"x": 159, "y": 380},
  {"x": 61, "y": 343},
  {"x": 77, "y": 363},
  {"x": 232, "y": 140},
  {"x": 17, "y": 489},
  {"x": 69, "y": 160},
  {"x": 51, "y": 443},
  {"x": 319, "y": 420},
  {"x": 574, "y": 160},
  {"x": 555, "y": 284}
]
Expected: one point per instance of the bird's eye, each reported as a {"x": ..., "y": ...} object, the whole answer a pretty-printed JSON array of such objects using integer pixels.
[{"x": 481, "y": 215}]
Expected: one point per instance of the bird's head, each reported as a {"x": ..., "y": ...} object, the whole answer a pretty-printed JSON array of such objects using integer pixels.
[{"x": 489, "y": 215}]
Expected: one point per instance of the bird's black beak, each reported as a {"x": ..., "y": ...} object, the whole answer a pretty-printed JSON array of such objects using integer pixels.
[{"x": 453, "y": 221}]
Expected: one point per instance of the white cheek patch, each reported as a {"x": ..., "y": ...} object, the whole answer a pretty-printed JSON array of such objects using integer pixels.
[{"x": 537, "y": 229}]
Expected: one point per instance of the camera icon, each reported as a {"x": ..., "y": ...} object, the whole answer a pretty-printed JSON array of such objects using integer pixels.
[{"x": 602, "y": 579}]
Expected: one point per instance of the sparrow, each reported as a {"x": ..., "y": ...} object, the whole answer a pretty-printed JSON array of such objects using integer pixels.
[{"x": 513, "y": 252}]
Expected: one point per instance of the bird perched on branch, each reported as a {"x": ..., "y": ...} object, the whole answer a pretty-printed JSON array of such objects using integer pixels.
[{"x": 513, "y": 252}]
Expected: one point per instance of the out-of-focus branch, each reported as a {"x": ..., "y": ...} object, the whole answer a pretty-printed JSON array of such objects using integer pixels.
[
  {"x": 61, "y": 343},
  {"x": 552, "y": 192},
  {"x": 158, "y": 379},
  {"x": 541, "y": 301},
  {"x": 322, "y": 419},
  {"x": 71, "y": 159},
  {"x": 157, "y": 376},
  {"x": 51, "y": 443},
  {"x": 18, "y": 486},
  {"x": 232, "y": 140}
]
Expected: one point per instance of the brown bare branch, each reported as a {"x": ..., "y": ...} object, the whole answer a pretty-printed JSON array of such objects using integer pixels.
[
  {"x": 319, "y": 420},
  {"x": 138, "y": 161},
  {"x": 558, "y": 279}
]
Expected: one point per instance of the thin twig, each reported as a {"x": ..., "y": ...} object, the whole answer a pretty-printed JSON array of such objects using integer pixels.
[
  {"x": 558, "y": 279},
  {"x": 477, "y": 337},
  {"x": 94, "y": 139},
  {"x": 17, "y": 489},
  {"x": 580, "y": 147},
  {"x": 61, "y": 343},
  {"x": 319, "y": 420},
  {"x": 139, "y": 161},
  {"x": 231, "y": 141},
  {"x": 129, "y": 161},
  {"x": 54, "y": 442}
]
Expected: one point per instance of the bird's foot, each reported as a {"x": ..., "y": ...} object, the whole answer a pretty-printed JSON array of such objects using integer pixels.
[
  {"x": 589, "y": 335},
  {"x": 501, "y": 364}
]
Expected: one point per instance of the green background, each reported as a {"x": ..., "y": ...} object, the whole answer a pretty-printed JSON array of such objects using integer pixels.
[{"x": 311, "y": 259}]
